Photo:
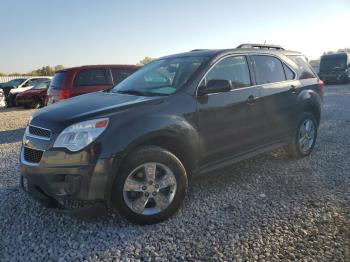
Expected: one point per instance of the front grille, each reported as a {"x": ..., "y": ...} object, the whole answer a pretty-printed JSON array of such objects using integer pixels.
[
  {"x": 37, "y": 131},
  {"x": 32, "y": 155}
]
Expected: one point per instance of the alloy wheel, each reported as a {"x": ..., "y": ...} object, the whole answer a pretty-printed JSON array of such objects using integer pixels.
[
  {"x": 149, "y": 189},
  {"x": 306, "y": 135}
]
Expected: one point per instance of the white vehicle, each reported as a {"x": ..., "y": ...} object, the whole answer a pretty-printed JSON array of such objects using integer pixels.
[
  {"x": 2, "y": 99},
  {"x": 16, "y": 86},
  {"x": 28, "y": 84}
]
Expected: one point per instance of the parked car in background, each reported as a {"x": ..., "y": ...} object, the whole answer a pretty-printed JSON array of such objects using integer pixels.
[
  {"x": 76, "y": 81},
  {"x": 35, "y": 97},
  {"x": 7, "y": 86},
  {"x": 335, "y": 68},
  {"x": 138, "y": 145},
  {"x": 2, "y": 99},
  {"x": 16, "y": 86}
]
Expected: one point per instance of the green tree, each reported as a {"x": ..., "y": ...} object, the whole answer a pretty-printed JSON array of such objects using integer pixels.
[
  {"x": 145, "y": 60},
  {"x": 58, "y": 68}
]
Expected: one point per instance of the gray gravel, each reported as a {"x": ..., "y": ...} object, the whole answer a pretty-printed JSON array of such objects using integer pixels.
[{"x": 268, "y": 208}]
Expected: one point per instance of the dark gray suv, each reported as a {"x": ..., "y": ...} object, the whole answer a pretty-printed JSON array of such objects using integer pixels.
[{"x": 137, "y": 146}]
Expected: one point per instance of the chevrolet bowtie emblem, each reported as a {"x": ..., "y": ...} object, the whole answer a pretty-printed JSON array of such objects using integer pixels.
[{"x": 26, "y": 141}]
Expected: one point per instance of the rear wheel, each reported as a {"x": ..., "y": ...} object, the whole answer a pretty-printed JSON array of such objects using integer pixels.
[
  {"x": 151, "y": 187},
  {"x": 303, "y": 140}
]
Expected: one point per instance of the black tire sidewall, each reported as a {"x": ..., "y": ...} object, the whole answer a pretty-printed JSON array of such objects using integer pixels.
[
  {"x": 303, "y": 117},
  {"x": 139, "y": 157}
]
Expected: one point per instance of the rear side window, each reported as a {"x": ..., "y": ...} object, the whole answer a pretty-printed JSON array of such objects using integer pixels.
[
  {"x": 120, "y": 74},
  {"x": 268, "y": 69},
  {"x": 92, "y": 77},
  {"x": 233, "y": 68},
  {"x": 58, "y": 80},
  {"x": 304, "y": 67}
]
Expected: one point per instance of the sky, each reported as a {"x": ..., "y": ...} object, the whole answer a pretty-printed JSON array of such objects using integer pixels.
[{"x": 35, "y": 33}]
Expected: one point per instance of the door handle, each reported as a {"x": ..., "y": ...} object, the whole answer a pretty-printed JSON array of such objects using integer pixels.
[
  {"x": 293, "y": 89},
  {"x": 251, "y": 99}
]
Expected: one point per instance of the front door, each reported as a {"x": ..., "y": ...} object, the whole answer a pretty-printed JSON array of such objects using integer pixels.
[{"x": 229, "y": 122}]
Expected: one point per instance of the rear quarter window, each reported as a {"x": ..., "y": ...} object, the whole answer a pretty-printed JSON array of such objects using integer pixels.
[
  {"x": 304, "y": 67},
  {"x": 290, "y": 75},
  {"x": 92, "y": 77}
]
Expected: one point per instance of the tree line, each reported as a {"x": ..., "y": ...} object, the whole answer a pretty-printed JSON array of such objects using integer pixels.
[
  {"x": 50, "y": 70},
  {"x": 44, "y": 71}
]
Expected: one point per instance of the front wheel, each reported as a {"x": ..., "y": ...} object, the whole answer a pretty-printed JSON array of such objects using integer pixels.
[
  {"x": 35, "y": 104},
  {"x": 302, "y": 142},
  {"x": 151, "y": 186}
]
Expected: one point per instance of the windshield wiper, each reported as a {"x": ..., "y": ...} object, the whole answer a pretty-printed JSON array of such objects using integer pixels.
[{"x": 132, "y": 92}]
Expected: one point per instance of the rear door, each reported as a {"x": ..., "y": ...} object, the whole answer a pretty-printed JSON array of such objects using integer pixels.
[
  {"x": 278, "y": 95},
  {"x": 91, "y": 80},
  {"x": 229, "y": 122}
]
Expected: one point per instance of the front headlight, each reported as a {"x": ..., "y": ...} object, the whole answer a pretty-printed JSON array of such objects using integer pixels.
[{"x": 79, "y": 135}]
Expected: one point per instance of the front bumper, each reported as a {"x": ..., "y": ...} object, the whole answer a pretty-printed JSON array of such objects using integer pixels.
[{"x": 62, "y": 176}]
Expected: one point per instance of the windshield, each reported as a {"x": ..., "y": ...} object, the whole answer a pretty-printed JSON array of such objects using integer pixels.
[
  {"x": 15, "y": 82},
  {"x": 161, "y": 77},
  {"x": 332, "y": 63},
  {"x": 42, "y": 85}
]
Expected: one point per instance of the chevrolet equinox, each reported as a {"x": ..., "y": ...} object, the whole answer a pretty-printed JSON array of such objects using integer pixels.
[{"x": 136, "y": 146}]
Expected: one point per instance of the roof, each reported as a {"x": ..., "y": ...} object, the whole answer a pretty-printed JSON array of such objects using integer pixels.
[
  {"x": 101, "y": 66},
  {"x": 339, "y": 54},
  {"x": 214, "y": 52}
]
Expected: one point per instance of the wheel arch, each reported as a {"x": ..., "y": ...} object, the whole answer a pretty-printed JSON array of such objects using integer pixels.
[
  {"x": 182, "y": 149},
  {"x": 311, "y": 102}
]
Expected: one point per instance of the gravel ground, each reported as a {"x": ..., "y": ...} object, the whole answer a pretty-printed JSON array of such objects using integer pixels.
[{"x": 268, "y": 208}]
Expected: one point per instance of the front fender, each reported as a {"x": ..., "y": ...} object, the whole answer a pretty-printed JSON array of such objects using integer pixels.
[{"x": 134, "y": 133}]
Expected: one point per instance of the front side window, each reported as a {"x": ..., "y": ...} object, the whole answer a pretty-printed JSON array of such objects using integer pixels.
[
  {"x": 31, "y": 82},
  {"x": 234, "y": 69},
  {"x": 268, "y": 69},
  {"x": 92, "y": 77},
  {"x": 42, "y": 85},
  {"x": 161, "y": 77}
]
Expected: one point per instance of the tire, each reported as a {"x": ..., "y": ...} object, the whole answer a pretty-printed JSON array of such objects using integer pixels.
[
  {"x": 164, "y": 203},
  {"x": 295, "y": 148},
  {"x": 35, "y": 105}
]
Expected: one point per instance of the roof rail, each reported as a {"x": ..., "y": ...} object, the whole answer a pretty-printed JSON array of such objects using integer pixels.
[
  {"x": 196, "y": 50},
  {"x": 261, "y": 46}
]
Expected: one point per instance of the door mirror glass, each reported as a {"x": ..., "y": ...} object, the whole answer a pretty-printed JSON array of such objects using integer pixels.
[{"x": 215, "y": 86}]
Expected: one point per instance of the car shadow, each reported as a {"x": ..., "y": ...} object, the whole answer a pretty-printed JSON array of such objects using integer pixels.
[{"x": 11, "y": 136}]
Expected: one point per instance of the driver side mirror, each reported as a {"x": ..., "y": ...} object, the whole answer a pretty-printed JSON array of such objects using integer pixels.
[{"x": 215, "y": 86}]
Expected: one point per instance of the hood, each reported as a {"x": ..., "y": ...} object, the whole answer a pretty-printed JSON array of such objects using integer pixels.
[{"x": 59, "y": 115}]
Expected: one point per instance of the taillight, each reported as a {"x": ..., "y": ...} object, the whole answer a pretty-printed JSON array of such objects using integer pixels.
[
  {"x": 64, "y": 94},
  {"x": 321, "y": 85}
]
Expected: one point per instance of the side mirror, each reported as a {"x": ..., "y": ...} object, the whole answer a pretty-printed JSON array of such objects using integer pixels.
[{"x": 215, "y": 86}]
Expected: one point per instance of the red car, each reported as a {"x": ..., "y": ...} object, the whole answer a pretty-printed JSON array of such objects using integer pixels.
[
  {"x": 35, "y": 97},
  {"x": 86, "y": 79}
]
